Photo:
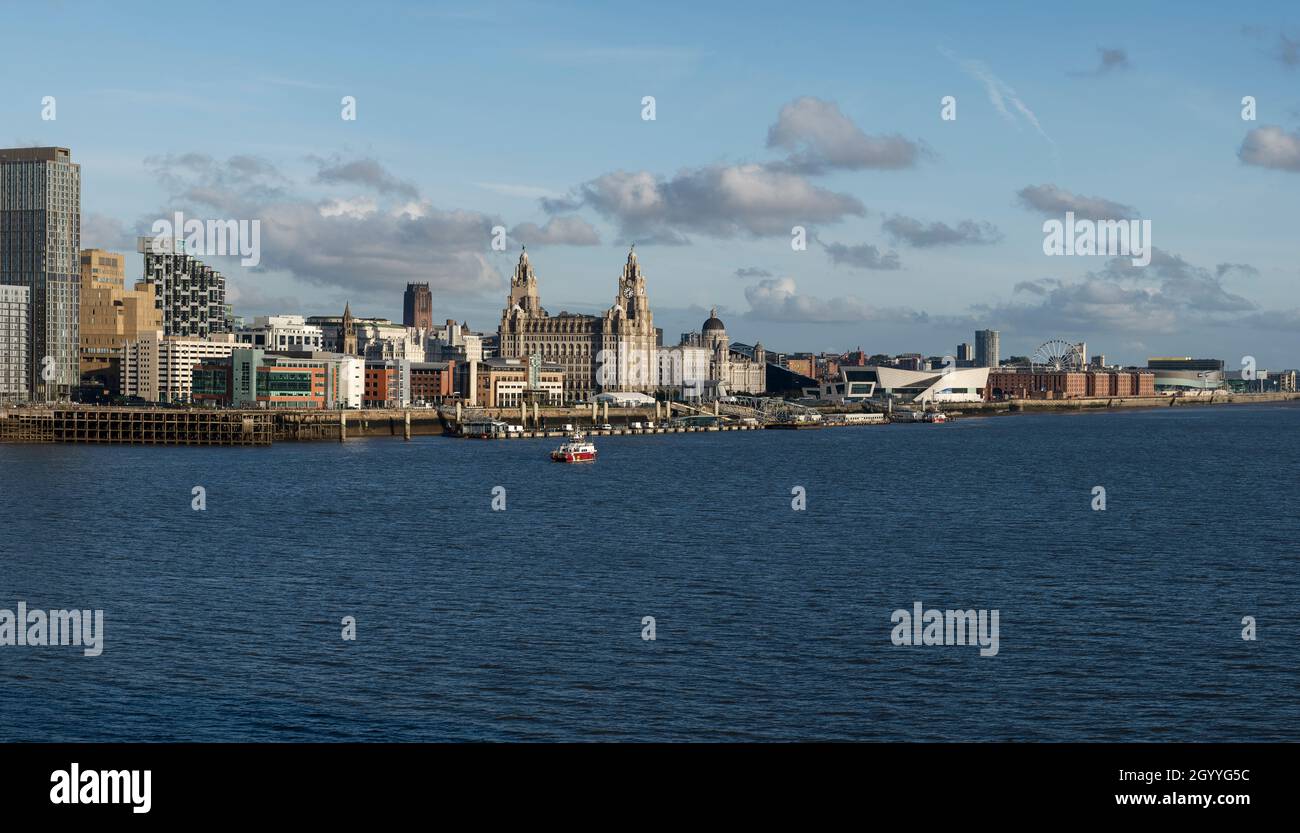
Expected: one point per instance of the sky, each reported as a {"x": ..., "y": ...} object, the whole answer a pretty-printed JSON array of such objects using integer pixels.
[{"x": 920, "y": 229}]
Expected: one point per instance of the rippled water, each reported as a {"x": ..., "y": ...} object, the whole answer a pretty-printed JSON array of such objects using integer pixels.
[{"x": 770, "y": 623}]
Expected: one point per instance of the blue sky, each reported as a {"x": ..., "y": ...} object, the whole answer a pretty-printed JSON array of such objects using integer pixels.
[{"x": 767, "y": 116}]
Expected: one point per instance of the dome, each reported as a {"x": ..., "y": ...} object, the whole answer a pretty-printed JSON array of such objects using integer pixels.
[{"x": 713, "y": 323}]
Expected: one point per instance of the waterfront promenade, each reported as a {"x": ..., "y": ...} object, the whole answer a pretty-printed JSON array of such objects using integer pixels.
[{"x": 202, "y": 426}]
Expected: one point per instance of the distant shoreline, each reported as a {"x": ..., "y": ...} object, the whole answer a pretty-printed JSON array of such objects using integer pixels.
[
  {"x": 110, "y": 425},
  {"x": 1020, "y": 406}
]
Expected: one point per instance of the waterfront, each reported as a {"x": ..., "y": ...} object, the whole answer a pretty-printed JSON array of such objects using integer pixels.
[{"x": 771, "y": 623}]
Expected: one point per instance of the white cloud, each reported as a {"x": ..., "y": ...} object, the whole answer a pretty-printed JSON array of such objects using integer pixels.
[
  {"x": 820, "y": 138},
  {"x": 1271, "y": 147}
]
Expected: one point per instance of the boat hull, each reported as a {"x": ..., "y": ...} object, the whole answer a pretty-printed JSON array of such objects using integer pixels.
[{"x": 572, "y": 457}]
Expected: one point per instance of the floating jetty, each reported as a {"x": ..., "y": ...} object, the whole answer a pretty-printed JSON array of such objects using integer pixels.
[{"x": 482, "y": 431}]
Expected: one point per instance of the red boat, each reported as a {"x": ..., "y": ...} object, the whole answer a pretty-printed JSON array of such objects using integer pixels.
[{"x": 577, "y": 450}]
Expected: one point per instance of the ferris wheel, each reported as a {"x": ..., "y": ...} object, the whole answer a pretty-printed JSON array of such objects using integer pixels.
[{"x": 1058, "y": 354}]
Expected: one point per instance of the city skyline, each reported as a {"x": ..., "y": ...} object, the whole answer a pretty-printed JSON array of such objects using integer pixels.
[{"x": 920, "y": 230}]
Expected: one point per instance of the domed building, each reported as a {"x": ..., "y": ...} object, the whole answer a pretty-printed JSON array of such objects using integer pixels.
[{"x": 730, "y": 371}]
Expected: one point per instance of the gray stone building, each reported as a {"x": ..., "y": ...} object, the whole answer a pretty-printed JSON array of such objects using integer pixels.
[
  {"x": 40, "y": 249},
  {"x": 614, "y": 351}
]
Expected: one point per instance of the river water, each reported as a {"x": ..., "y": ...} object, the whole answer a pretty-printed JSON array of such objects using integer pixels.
[{"x": 770, "y": 623}]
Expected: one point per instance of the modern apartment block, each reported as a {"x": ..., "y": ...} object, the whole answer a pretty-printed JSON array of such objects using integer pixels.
[
  {"x": 190, "y": 294},
  {"x": 160, "y": 368},
  {"x": 417, "y": 306},
  {"x": 40, "y": 248},
  {"x": 388, "y": 383},
  {"x": 111, "y": 316},
  {"x": 15, "y": 329},
  {"x": 988, "y": 348}
]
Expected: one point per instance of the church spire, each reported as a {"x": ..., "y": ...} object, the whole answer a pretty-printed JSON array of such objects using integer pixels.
[{"x": 348, "y": 331}]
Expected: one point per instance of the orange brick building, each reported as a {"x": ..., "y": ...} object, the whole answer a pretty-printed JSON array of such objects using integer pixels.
[
  {"x": 433, "y": 382},
  {"x": 383, "y": 386},
  {"x": 807, "y": 365},
  {"x": 1068, "y": 384}
]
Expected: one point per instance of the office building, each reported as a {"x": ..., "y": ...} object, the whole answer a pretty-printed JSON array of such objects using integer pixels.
[
  {"x": 282, "y": 332},
  {"x": 803, "y": 364},
  {"x": 510, "y": 382},
  {"x": 15, "y": 330},
  {"x": 433, "y": 383},
  {"x": 250, "y": 378},
  {"x": 453, "y": 342},
  {"x": 614, "y": 351},
  {"x": 111, "y": 316},
  {"x": 40, "y": 249},
  {"x": 684, "y": 371},
  {"x": 159, "y": 368},
  {"x": 988, "y": 348},
  {"x": 345, "y": 375}
]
